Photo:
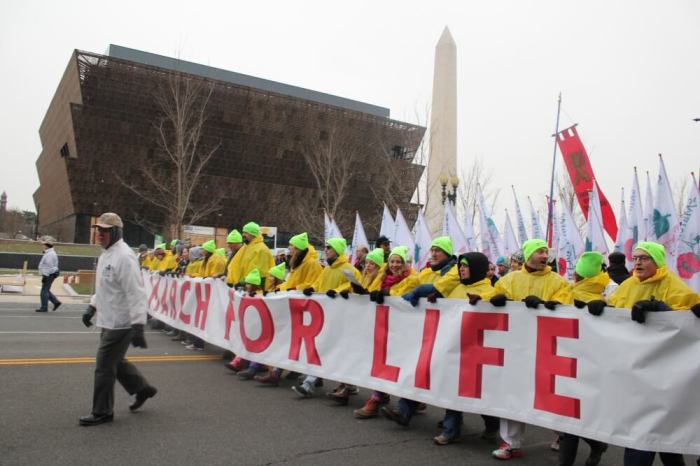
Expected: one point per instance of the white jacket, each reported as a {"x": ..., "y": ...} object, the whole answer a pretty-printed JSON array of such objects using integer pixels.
[
  {"x": 120, "y": 297},
  {"x": 48, "y": 263}
]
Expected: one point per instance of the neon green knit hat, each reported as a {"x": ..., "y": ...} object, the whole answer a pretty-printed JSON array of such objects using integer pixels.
[
  {"x": 338, "y": 245},
  {"x": 234, "y": 237},
  {"x": 253, "y": 277},
  {"x": 532, "y": 245},
  {"x": 444, "y": 243},
  {"x": 251, "y": 228},
  {"x": 589, "y": 264},
  {"x": 300, "y": 241},
  {"x": 376, "y": 256},
  {"x": 173, "y": 243},
  {"x": 209, "y": 246},
  {"x": 401, "y": 251},
  {"x": 221, "y": 251},
  {"x": 655, "y": 250},
  {"x": 160, "y": 246},
  {"x": 278, "y": 271}
]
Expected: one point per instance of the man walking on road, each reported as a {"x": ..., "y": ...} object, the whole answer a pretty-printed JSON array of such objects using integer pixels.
[
  {"x": 120, "y": 305},
  {"x": 48, "y": 267}
]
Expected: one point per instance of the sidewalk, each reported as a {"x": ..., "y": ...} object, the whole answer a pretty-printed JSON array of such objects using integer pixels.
[{"x": 32, "y": 287}]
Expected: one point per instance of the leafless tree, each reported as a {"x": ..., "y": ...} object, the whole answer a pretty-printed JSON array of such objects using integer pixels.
[
  {"x": 175, "y": 171},
  {"x": 473, "y": 178}
]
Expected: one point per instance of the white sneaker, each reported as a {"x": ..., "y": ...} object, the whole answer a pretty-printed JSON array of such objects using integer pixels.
[{"x": 193, "y": 348}]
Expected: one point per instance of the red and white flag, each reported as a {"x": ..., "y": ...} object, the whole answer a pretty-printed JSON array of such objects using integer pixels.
[
  {"x": 581, "y": 173},
  {"x": 688, "y": 250}
]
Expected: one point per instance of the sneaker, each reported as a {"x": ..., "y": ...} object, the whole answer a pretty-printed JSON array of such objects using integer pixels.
[
  {"x": 596, "y": 454},
  {"x": 340, "y": 395},
  {"x": 505, "y": 452},
  {"x": 554, "y": 446},
  {"x": 395, "y": 415},
  {"x": 420, "y": 406},
  {"x": 369, "y": 410},
  {"x": 171, "y": 333},
  {"x": 269, "y": 378},
  {"x": 303, "y": 390},
  {"x": 318, "y": 383},
  {"x": 237, "y": 364},
  {"x": 41, "y": 310},
  {"x": 443, "y": 440},
  {"x": 192, "y": 347}
]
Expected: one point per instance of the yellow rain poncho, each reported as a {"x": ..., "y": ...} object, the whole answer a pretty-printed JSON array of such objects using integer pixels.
[
  {"x": 194, "y": 268},
  {"x": 663, "y": 286},
  {"x": 305, "y": 274},
  {"x": 215, "y": 265},
  {"x": 333, "y": 278},
  {"x": 168, "y": 263},
  {"x": 254, "y": 255},
  {"x": 545, "y": 284},
  {"x": 482, "y": 288},
  {"x": 588, "y": 289}
]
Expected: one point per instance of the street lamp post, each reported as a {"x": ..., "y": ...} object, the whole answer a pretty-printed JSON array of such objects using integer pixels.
[{"x": 447, "y": 196}]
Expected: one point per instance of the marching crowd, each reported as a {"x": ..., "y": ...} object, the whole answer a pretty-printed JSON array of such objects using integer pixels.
[{"x": 387, "y": 271}]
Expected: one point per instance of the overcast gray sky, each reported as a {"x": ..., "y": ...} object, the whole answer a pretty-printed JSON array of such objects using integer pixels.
[{"x": 629, "y": 71}]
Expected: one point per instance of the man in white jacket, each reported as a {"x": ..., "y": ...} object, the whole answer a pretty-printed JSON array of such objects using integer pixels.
[
  {"x": 120, "y": 305},
  {"x": 48, "y": 268}
]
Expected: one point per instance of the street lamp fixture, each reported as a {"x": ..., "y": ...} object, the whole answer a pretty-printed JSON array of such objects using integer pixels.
[{"x": 449, "y": 196}]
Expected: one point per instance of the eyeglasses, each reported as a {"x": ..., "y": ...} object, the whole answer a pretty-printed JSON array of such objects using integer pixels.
[{"x": 641, "y": 258}]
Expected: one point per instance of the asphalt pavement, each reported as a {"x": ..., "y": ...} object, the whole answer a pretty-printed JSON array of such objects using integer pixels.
[{"x": 202, "y": 414}]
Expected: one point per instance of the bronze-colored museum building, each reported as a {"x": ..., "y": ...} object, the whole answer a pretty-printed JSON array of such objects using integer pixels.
[{"x": 102, "y": 124}]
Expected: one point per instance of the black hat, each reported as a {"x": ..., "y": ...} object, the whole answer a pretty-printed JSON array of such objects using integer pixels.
[
  {"x": 382, "y": 240},
  {"x": 616, "y": 258},
  {"x": 478, "y": 266}
]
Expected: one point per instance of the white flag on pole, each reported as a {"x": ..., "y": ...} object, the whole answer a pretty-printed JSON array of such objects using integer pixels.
[
  {"x": 388, "y": 225},
  {"x": 327, "y": 227},
  {"x": 469, "y": 231},
  {"x": 535, "y": 222},
  {"x": 666, "y": 225},
  {"x": 595, "y": 236},
  {"x": 648, "y": 212},
  {"x": 570, "y": 246},
  {"x": 522, "y": 231},
  {"x": 624, "y": 233},
  {"x": 688, "y": 250},
  {"x": 359, "y": 238},
  {"x": 635, "y": 221},
  {"x": 451, "y": 228},
  {"x": 402, "y": 234},
  {"x": 490, "y": 238},
  {"x": 423, "y": 240},
  {"x": 510, "y": 243}
]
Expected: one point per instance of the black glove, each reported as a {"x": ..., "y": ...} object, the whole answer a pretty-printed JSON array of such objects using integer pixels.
[
  {"x": 356, "y": 288},
  {"x": 138, "y": 340},
  {"x": 640, "y": 308},
  {"x": 432, "y": 297},
  {"x": 532, "y": 301},
  {"x": 331, "y": 293},
  {"x": 44, "y": 279},
  {"x": 473, "y": 298},
  {"x": 251, "y": 293},
  {"x": 308, "y": 291},
  {"x": 498, "y": 300},
  {"x": 596, "y": 307},
  {"x": 579, "y": 304},
  {"x": 344, "y": 294},
  {"x": 88, "y": 314},
  {"x": 551, "y": 305},
  {"x": 696, "y": 310},
  {"x": 376, "y": 296},
  {"x": 264, "y": 293}
]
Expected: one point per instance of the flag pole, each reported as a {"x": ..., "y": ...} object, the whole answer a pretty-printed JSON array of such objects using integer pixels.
[{"x": 551, "y": 183}]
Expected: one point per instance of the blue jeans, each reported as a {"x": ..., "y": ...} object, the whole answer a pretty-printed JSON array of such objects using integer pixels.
[
  {"x": 407, "y": 408},
  {"x": 45, "y": 295},
  {"x": 452, "y": 424}
]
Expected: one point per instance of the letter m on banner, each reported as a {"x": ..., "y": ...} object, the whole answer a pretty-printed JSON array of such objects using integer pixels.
[{"x": 579, "y": 167}]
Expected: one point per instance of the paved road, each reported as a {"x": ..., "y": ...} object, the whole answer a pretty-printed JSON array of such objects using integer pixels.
[{"x": 202, "y": 414}]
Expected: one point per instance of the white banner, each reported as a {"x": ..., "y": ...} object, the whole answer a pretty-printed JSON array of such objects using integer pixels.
[{"x": 606, "y": 378}]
